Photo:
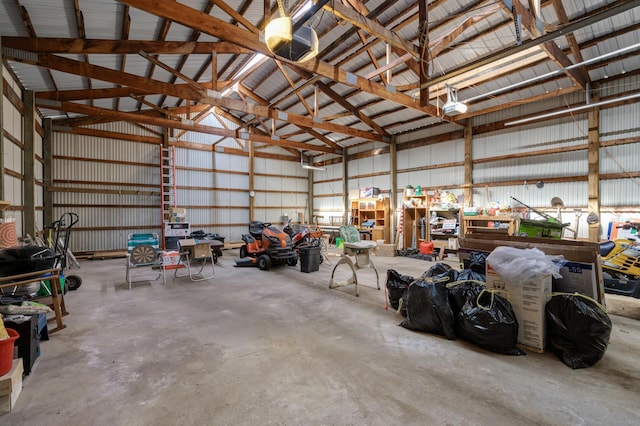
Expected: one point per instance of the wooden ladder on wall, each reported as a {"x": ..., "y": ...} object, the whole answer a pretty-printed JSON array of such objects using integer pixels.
[{"x": 167, "y": 186}]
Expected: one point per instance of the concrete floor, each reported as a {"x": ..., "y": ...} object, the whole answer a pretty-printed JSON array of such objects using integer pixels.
[{"x": 277, "y": 347}]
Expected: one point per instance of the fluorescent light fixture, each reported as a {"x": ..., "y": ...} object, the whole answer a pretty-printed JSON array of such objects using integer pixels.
[
  {"x": 302, "y": 10},
  {"x": 309, "y": 166},
  {"x": 574, "y": 109},
  {"x": 556, "y": 72},
  {"x": 257, "y": 59}
]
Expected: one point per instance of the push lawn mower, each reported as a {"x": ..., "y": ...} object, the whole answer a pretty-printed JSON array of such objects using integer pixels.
[{"x": 266, "y": 245}]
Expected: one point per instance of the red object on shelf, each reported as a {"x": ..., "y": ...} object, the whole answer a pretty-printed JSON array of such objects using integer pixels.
[{"x": 426, "y": 247}]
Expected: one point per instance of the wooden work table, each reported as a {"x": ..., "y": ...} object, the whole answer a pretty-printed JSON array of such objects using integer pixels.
[{"x": 56, "y": 298}]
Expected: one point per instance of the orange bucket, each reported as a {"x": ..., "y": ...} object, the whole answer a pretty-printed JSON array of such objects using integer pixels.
[{"x": 6, "y": 351}]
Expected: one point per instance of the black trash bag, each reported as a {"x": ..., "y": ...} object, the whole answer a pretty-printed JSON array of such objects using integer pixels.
[
  {"x": 578, "y": 329},
  {"x": 403, "y": 304},
  {"x": 462, "y": 293},
  {"x": 428, "y": 309},
  {"x": 470, "y": 274},
  {"x": 440, "y": 271},
  {"x": 478, "y": 262},
  {"x": 396, "y": 286},
  {"x": 487, "y": 320}
]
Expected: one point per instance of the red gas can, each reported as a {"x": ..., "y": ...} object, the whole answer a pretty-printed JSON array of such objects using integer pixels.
[{"x": 426, "y": 247}]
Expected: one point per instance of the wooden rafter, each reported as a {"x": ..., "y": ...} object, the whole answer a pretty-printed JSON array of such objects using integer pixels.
[
  {"x": 163, "y": 122},
  {"x": 353, "y": 110},
  {"x": 372, "y": 27},
  {"x": 217, "y": 28},
  {"x": 186, "y": 92},
  {"x": 81, "y": 33},
  {"x": 126, "y": 27},
  {"x": 578, "y": 75},
  {"x": 122, "y": 46}
]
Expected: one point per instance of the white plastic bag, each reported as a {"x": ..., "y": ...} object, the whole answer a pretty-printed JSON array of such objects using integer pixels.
[{"x": 519, "y": 265}]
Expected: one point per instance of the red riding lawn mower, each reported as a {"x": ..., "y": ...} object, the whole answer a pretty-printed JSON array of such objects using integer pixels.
[{"x": 266, "y": 245}]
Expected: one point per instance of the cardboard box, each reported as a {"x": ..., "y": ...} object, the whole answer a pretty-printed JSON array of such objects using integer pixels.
[
  {"x": 197, "y": 249},
  {"x": 11, "y": 386},
  {"x": 178, "y": 214},
  {"x": 528, "y": 299},
  {"x": 577, "y": 277},
  {"x": 171, "y": 260},
  {"x": 574, "y": 251},
  {"x": 386, "y": 250}
]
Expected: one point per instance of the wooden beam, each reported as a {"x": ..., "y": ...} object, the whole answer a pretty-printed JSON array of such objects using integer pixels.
[
  {"x": 29, "y": 163},
  {"x": 106, "y": 134},
  {"x": 162, "y": 122},
  {"x": 468, "y": 164},
  {"x": 372, "y": 27},
  {"x": 425, "y": 56},
  {"x": 578, "y": 75},
  {"x": 352, "y": 109},
  {"x": 170, "y": 70},
  {"x": 126, "y": 27},
  {"x": 235, "y": 15},
  {"x": 298, "y": 120},
  {"x": 602, "y": 14},
  {"x": 187, "y": 92},
  {"x": 217, "y": 28}
]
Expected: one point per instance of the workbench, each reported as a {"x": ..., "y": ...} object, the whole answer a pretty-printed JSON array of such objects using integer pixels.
[{"x": 56, "y": 299}]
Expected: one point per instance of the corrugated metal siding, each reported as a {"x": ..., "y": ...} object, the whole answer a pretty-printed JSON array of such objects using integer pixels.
[{"x": 99, "y": 162}]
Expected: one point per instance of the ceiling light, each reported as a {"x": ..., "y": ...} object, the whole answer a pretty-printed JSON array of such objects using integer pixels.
[
  {"x": 452, "y": 106},
  {"x": 302, "y": 10},
  {"x": 574, "y": 109},
  {"x": 256, "y": 60},
  {"x": 281, "y": 40}
]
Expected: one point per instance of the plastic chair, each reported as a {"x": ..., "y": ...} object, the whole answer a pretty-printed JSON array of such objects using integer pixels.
[
  {"x": 356, "y": 254},
  {"x": 144, "y": 256},
  {"x": 194, "y": 251}
]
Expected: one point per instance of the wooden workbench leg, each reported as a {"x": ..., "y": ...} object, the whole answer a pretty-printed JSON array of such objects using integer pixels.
[{"x": 56, "y": 289}]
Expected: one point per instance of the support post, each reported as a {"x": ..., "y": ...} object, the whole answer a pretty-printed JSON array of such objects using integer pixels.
[
  {"x": 393, "y": 195},
  {"x": 468, "y": 162},
  {"x": 2, "y": 194},
  {"x": 29, "y": 163},
  {"x": 251, "y": 179},
  {"x": 345, "y": 186},
  {"x": 310, "y": 177},
  {"x": 593, "y": 178},
  {"x": 47, "y": 172},
  {"x": 423, "y": 41}
]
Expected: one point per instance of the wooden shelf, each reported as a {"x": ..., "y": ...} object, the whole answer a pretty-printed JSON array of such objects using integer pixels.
[
  {"x": 449, "y": 220},
  {"x": 505, "y": 225},
  {"x": 372, "y": 209}
]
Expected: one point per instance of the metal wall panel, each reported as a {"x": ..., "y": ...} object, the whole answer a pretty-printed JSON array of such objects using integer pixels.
[
  {"x": 619, "y": 192},
  {"x": 620, "y": 159}
]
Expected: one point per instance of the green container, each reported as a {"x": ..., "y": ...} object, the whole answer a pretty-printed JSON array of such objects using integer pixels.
[
  {"x": 45, "y": 287},
  {"x": 540, "y": 229}
]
